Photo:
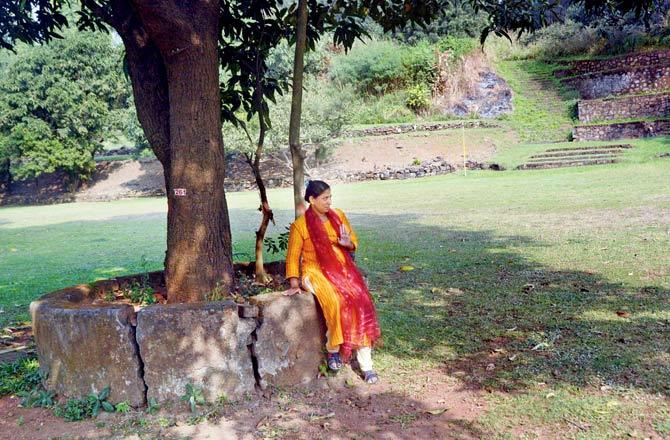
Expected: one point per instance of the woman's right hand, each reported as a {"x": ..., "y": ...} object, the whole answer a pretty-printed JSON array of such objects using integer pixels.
[
  {"x": 295, "y": 287},
  {"x": 291, "y": 291}
]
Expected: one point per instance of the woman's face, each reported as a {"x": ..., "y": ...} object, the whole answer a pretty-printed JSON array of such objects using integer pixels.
[{"x": 321, "y": 204}]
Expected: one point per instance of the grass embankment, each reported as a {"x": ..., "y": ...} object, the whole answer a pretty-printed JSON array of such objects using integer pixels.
[
  {"x": 550, "y": 289},
  {"x": 544, "y": 109}
]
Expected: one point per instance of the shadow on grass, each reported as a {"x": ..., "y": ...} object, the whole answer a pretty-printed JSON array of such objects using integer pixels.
[{"x": 475, "y": 306}]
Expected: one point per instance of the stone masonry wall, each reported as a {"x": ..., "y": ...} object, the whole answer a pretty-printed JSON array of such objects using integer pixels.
[
  {"x": 624, "y": 81},
  {"x": 86, "y": 343},
  {"x": 621, "y": 131},
  {"x": 626, "y": 61},
  {"x": 624, "y": 108}
]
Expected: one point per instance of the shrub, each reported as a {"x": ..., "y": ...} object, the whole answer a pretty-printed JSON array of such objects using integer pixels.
[
  {"x": 458, "y": 46},
  {"x": 417, "y": 98},
  {"x": 419, "y": 64},
  {"x": 388, "y": 108},
  {"x": 380, "y": 67},
  {"x": 22, "y": 375},
  {"x": 559, "y": 40},
  {"x": 376, "y": 67}
]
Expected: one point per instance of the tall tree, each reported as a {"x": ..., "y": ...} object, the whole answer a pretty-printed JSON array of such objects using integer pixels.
[
  {"x": 297, "y": 155},
  {"x": 173, "y": 63}
]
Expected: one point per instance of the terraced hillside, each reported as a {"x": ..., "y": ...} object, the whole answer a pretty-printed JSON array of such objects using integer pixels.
[
  {"x": 621, "y": 97},
  {"x": 575, "y": 156}
]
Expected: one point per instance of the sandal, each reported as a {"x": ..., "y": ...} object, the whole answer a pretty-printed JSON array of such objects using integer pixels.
[
  {"x": 370, "y": 377},
  {"x": 334, "y": 361}
]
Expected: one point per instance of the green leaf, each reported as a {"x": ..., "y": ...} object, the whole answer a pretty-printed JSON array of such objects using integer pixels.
[
  {"x": 104, "y": 394},
  {"x": 107, "y": 407}
]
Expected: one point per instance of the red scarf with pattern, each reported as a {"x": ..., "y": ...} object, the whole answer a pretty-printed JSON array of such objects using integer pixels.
[{"x": 358, "y": 317}]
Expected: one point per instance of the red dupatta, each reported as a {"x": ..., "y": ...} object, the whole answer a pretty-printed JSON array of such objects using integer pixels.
[{"x": 357, "y": 312}]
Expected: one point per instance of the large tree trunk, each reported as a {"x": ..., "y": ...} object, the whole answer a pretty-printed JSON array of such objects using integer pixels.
[
  {"x": 297, "y": 154},
  {"x": 173, "y": 60}
]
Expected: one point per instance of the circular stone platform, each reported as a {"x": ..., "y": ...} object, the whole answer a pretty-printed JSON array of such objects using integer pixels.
[{"x": 85, "y": 344}]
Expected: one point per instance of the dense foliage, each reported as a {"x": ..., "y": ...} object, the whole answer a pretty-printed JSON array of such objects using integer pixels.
[
  {"x": 604, "y": 31},
  {"x": 325, "y": 112},
  {"x": 58, "y": 103}
]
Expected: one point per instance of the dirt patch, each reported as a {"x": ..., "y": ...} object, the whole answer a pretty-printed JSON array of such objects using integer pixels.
[
  {"x": 369, "y": 154},
  {"x": 122, "y": 179},
  {"x": 125, "y": 179},
  {"x": 18, "y": 423},
  {"x": 432, "y": 406}
]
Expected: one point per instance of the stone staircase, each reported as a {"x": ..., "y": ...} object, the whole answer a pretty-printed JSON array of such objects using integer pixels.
[
  {"x": 621, "y": 97},
  {"x": 575, "y": 156}
]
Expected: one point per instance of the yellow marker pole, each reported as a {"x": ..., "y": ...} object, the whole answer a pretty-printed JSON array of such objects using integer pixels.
[{"x": 465, "y": 154}]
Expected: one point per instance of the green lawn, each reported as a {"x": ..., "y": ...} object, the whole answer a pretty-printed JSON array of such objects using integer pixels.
[{"x": 559, "y": 279}]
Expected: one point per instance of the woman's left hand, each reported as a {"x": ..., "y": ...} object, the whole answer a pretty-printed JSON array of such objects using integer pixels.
[{"x": 345, "y": 239}]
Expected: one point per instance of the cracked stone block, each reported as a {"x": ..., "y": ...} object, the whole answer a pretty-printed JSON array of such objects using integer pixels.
[
  {"x": 290, "y": 339},
  {"x": 83, "y": 348},
  {"x": 204, "y": 344}
]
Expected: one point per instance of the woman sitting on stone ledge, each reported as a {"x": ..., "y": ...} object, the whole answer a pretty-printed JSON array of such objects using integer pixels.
[{"x": 325, "y": 240}]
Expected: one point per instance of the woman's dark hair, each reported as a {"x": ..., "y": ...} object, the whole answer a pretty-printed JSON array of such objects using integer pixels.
[{"x": 315, "y": 188}]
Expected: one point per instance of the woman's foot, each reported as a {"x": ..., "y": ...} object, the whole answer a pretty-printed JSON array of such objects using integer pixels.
[
  {"x": 370, "y": 377},
  {"x": 334, "y": 361}
]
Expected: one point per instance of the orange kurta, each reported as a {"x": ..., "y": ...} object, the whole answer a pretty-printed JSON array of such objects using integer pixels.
[{"x": 300, "y": 245}]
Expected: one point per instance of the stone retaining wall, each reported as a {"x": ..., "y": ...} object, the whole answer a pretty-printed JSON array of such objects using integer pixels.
[
  {"x": 624, "y": 108},
  {"x": 621, "y": 131},
  {"x": 620, "y": 82},
  {"x": 408, "y": 128},
  {"x": 85, "y": 344},
  {"x": 581, "y": 67}
]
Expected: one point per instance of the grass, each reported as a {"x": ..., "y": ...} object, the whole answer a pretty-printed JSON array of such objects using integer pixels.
[
  {"x": 544, "y": 109},
  {"x": 559, "y": 278},
  {"x": 645, "y": 150}
]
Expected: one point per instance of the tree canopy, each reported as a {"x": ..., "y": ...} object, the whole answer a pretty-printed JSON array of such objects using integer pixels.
[
  {"x": 174, "y": 51},
  {"x": 58, "y": 102}
]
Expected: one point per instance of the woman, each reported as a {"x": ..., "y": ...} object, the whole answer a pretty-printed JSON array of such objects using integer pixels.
[{"x": 325, "y": 240}]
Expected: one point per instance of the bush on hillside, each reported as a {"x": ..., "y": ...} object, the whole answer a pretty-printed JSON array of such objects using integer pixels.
[
  {"x": 457, "y": 46},
  {"x": 603, "y": 33},
  {"x": 389, "y": 108},
  {"x": 419, "y": 64},
  {"x": 375, "y": 67},
  {"x": 456, "y": 18},
  {"x": 418, "y": 97}
]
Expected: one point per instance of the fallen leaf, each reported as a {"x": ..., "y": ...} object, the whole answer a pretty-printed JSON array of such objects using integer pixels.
[
  {"x": 528, "y": 288},
  {"x": 622, "y": 313},
  {"x": 406, "y": 268},
  {"x": 323, "y": 417},
  {"x": 436, "y": 411}
]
